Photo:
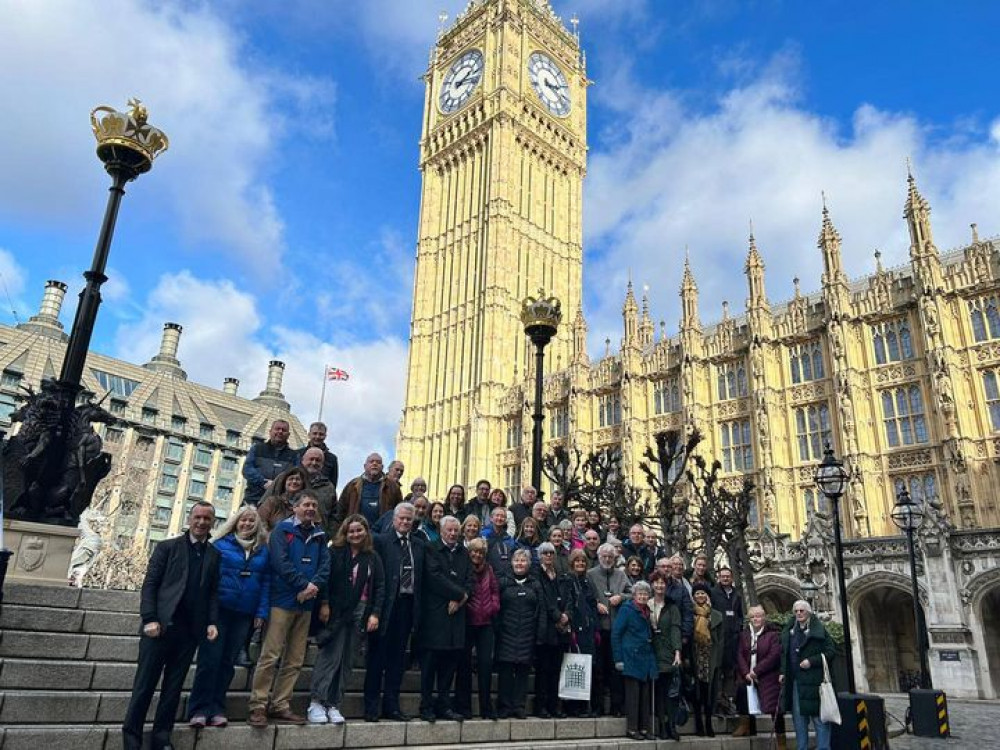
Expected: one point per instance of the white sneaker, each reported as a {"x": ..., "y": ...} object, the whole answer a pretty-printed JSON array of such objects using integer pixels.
[
  {"x": 316, "y": 713},
  {"x": 334, "y": 715}
]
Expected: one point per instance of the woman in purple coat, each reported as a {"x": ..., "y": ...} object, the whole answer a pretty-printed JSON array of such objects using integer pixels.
[{"x": 759, "y": 664}]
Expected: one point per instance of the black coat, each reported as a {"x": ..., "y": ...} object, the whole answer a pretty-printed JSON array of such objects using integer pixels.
[
  {"x": 388, "y": 548},
  {"x": 447, "y": 578},
  {"x": 557, "y": 596},
  {"x": 166, "y": 580},
  {"x": 732, "y": 623},
  {"x": 583, "y": 613},
  {"x": 520, "y": 604},
  {"x": 343, "y": 594}
]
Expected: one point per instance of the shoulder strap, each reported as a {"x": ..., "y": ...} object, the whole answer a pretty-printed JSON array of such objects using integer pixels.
[{"x": 826, "y": 669}]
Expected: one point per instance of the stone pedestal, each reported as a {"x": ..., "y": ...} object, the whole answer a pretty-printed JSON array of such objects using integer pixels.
[{"x": 41, "y": 552}]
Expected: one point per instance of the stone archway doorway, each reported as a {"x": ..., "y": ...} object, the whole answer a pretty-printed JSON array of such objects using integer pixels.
[
  {"x": 989, "y": 616},
  {"x": 776, "y": 600},
  {"x": 888, "y": 635}
]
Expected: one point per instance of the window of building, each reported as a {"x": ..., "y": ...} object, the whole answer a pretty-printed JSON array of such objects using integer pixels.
[
  {"x": 922, "y": 487},
  {"x": 223, "y": 494},
  {"x": 113, "y": 435},
  {"x": 815, "y": 500},
  {"x": 991, "y": 385},
  {"x": 985, "y": 318},
  {"x": 559, "y": 421},
  {"x": 118, "y": 385},
  {"x": 206, "y": 430},
  {"x": 753, "y": 514},
  {"x": 197, "y": 483},
  {"x": 232, "y": 437},
  {"x": 149, "y": 415},
  {"x": 903, "y": 412},
  {"x": 732, "y": 381},
  {"x": 812, "y": 423},
  {"x": 202, "y": 455},
  {"x": 175, "y": 450},
  {"x": 666, "y": 396},
  {"x": 512, "y": 483},
  {"x": 227, "y": 467},
  {"x": 892, "y": 341},
  {"x": 10, "y": 379},
  {"x": 168, "y": 478},
  {"x": 177, "y": 423},
  {"x": 117, "y": 407},
  {"x": 8, "y": 404},
  {"x": 737, "y": 449},
  {"x": 162, "y": 515},
  {"x": 513, "y": 433},
  {"x": 609, "y": 409},
  {"x": 807, "y": 362}
]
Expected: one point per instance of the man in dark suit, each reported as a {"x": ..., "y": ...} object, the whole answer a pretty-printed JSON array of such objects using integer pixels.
[
  {"x": 179, "y": 607},
  {"x": 447, "y": 584},
  {"x": 402, "y": 555}
]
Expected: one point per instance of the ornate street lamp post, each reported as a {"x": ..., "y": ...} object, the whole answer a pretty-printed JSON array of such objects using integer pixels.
[
  {"x": 541, "y": 317},
  {"x": 908, "y": 515},
  {"x": 831, "y": 478},
  {"x": 53, "y": 489}
]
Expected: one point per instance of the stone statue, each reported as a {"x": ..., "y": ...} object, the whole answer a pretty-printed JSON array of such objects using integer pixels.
[
  {"x": 88, "y": 546},
  {"x": 53, "y": 464}
]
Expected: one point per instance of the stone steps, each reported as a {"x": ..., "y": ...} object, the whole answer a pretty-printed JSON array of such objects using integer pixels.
[{"x": 530, "y": 734}]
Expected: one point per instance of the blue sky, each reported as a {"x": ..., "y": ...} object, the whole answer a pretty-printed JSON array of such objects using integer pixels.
[{"x": 281, "y": 223}]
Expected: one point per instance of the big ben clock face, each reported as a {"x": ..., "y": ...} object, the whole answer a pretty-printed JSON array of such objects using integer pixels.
[
  {"x": 461, "y": 80},
  {"x": 550, "y": 83}
]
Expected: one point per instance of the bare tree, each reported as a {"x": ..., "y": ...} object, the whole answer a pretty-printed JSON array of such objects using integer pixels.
[
  {"x": 597, "y": 483},
  {"x": 665, "y": 470}
]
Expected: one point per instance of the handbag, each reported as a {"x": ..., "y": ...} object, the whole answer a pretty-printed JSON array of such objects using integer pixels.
[
  {"x": 829, "y": 711},
  {"x": 575, "y": 676},
  {"x": 753, "y": 701}
]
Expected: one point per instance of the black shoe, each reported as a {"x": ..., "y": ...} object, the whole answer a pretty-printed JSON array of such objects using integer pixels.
[
  {"x": 371, "y": 718},
  {"x": 558, "y": 715},
  {"x": 428, "y": 716},
  {"x": 519, "y": 714},
  {"x": 397, "y": 716},
  {"x": 543, "y": 714},
  {"x": 449, "y": 715},
  {"x": 491, "y": 715},
  {"x": 501, "y": 714}
]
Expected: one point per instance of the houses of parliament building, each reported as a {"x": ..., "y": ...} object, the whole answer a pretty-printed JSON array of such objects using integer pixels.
[{"x": 898, "y": 370}]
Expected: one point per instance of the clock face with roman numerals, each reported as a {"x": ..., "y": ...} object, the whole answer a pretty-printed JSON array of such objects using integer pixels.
[
  {"x": 461, "y": 80},
  {"x": 550, "y": 84}
]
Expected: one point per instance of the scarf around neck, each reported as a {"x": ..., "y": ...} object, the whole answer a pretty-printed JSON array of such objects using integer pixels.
[{"x": 702, "y": 623}]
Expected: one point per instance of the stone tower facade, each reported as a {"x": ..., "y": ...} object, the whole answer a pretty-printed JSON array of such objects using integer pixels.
[{"x": 503, "y": 156}]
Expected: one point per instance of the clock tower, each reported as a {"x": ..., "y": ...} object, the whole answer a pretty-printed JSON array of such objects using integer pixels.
[{"x": 503, "y": 155}]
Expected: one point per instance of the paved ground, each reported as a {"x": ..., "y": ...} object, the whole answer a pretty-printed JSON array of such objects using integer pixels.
[{"x": 974, "y": 724}]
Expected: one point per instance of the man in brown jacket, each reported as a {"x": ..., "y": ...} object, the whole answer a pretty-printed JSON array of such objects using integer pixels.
[{"x": 371, "y": 494}]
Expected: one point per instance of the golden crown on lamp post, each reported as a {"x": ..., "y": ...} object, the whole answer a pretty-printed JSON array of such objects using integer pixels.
[
  {"x": 126, "y": 142},
  {"x": 541, "y": 315}
]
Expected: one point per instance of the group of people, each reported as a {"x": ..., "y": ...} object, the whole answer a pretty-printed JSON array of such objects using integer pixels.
[{"x": 464, "y": 589}]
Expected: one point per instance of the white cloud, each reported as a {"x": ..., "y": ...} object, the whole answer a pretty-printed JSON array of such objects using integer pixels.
[
  {"x": 222, "y": 117},
  {"x": 674, "y": 177},
  {"x": 362, "y": 413},
  {"x": 12, "y": 286}
]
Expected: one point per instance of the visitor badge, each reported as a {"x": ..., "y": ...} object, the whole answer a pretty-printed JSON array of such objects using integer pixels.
[
  {"x": 245, "y": 573},
  {"x": 730, "y": 613},
  {"x": 307, "y": 559}
]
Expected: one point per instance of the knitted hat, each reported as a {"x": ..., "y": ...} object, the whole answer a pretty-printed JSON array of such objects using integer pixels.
[{"x": 701, "y": 587}]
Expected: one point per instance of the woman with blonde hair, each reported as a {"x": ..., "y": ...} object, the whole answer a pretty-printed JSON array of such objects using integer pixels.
[
  {"x": 471, "y": 528},
  {"x": 244, "y": 602}
]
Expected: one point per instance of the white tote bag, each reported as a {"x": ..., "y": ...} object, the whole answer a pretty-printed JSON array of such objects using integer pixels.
[
  {"x": 575, "y": 676},
  {"x": 753, "y": 701},
  {"x": 829, "y": 711}
]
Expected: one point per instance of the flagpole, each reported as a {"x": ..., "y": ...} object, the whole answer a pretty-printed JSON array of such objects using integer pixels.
[{"x": 322, "y": 395}]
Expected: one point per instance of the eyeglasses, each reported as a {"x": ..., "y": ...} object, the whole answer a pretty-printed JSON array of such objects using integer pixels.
[{"x": 549, "y": 552}]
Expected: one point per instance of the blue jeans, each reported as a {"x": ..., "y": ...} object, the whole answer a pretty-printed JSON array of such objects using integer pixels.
[
  {"x": 215, "y": 664},
  {"x": 802, "y": 726}
]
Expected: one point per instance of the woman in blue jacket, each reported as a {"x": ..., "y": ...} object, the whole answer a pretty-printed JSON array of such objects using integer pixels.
[
  {"x": 632, "y": 647},
  {"x": 244, "y": 602}
]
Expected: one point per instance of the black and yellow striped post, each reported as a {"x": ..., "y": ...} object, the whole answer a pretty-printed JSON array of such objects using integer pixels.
[
  {"x": 862, "y": 725},
  {"x": 929, "y": 713},
  {"x": 864, "y": 731}
]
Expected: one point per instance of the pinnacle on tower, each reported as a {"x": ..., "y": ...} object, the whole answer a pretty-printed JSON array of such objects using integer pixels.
[
  {"x": 580, "y": 336},
  {"x": 689, "y": 298},
  {"x": 754, "y": 270},
  {"x": 917, "y": 213},
  {"x": 829, "y": 244}
]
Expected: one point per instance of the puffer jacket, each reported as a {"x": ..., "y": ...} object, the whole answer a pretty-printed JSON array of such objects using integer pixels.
[
  {"x": 556, "y": 601},
  {"x": 806, "y": 681},
  {"x": 298, "y": 558},
  {"x": 520, "y": 604},
  {"x": 244, "y": 582}
]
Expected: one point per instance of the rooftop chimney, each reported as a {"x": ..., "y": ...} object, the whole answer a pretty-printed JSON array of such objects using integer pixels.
[
  {"x": 272, "y": 393},
  {"x": 230, "y": 386},
  {"x": 47, "y": 319},
  {"x": 166, "y": 361}
]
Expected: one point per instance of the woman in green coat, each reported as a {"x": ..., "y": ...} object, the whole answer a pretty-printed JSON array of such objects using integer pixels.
[
  {"x": 804, "y": 641},
  {"x": 666, "y": 620},
  {"x": 706, "y": 657}
]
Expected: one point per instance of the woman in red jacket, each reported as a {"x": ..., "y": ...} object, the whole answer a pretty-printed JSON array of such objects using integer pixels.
[
  {"x": 482, "y": 607},
  {"x": 759, "y": 664}
]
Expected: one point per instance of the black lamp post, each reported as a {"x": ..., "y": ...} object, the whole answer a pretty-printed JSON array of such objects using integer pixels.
[
  {"x": 831, "y": 478},
  {"x": 908, "y": 515},
  {"x": 541, "y": 317}
]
